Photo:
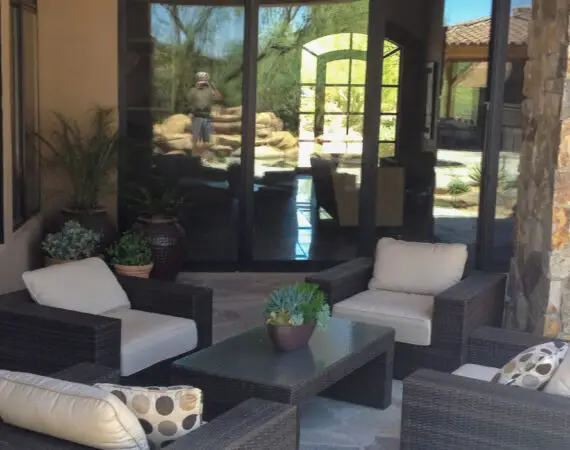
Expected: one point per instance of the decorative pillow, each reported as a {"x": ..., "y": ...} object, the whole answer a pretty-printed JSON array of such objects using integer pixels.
[
  {"x": 86, "y": 286},
  {"x": 534, "y": 367},
  {"x": 559, "y": 384},
  {"x": 417, "y": 267},
  {"x": 165, "y": 414},
  {"x": 74, "y": 412}
]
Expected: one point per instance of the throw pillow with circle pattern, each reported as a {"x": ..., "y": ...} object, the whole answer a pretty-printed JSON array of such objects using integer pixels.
[
  {"x": 165, "y": 413},
  {"x": 534, "y": 367}
]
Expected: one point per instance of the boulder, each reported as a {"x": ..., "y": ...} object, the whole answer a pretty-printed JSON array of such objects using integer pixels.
[
  {"x": 224, "y": 118},
  {"x": 178, "y": 123},
  {"x": 175, "y": 141},
  {"x": 226, "y": 127},
  {"x": 233, "y": 141},
  {"x": 264, "y": 152},
  {"x": 282, "y": 140},
  {"x": 222, "y": 150},
  {"x": 269, "y": 120}
]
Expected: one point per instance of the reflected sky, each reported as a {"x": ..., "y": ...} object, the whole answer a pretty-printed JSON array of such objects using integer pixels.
[{"x": 462, "y": 11}]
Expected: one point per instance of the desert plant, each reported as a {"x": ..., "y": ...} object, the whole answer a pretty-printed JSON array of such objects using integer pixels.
[
  {"x": 296, "y": 305},
  {"x": 132, "y": 249},
  {"x": 72, "y": 242},
  {"x": 475, "y": 175},
  {"x": 87, "y": 156},
  {"x": 457, "y": 186}
]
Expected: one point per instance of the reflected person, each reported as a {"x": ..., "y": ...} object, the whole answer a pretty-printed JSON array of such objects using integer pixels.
[{"x": 201, "y": 98}]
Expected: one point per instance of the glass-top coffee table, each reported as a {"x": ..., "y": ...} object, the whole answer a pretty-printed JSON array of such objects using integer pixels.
[{"x": 348, "y": 361}]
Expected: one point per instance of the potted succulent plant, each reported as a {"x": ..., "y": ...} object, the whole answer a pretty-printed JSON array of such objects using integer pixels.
[
  {"x": 73, "y": 242},
  {"x": 87, "y": 157},
  {"x": 131, "y": 255},
  {"x": 293, "y": 312},
  {"x": 157, "y": 216}
]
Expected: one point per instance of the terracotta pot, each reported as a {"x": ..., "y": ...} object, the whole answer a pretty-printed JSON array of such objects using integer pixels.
[
  {"x": 97, "y": 219},
  {"x": 134, "y": 271},
  {"x": 168, "y": 243},
  {"x": 286, "y": 338}
]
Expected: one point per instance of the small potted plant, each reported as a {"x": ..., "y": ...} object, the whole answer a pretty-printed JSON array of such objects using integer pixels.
[
  {"x": 131, "y": 255},
  {"x": 293, "y": 312},
  {"x": 73, "y": 242}
]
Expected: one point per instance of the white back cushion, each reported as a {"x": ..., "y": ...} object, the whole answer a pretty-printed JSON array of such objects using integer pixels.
[
  {"x": 417, "y": 267},
  {"x": 86, "y": 286},
  {"x": 559, "y": 384},
  {"x": 74, "y": 412}
]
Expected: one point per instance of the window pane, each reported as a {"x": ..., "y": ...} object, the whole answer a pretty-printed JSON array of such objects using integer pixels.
[
  {"x": 308, "y": 67},
  {"x": 360, "y": 42},
  {"x": 335, "y": 126},
  {"x": 307, "y": 99},
  {"x": 388, "y": 128},
  {"x": 337, "y": 72},
  {"x": 357, "y": 100},
  {"x": 306, "y": 126},
  {"x": 391, "y": 69},
  {"x": 355, "y": 124},
  {"x": 336, "y": 99},
  {"x": 358, "y": 75},
  {"x": 389, "y": 100},
  {"x": 332, "y": 42},
  {"x": 386, "y": 149}
]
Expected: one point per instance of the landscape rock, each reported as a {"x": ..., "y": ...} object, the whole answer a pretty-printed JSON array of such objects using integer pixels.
[{"x": 178, "y": 123}]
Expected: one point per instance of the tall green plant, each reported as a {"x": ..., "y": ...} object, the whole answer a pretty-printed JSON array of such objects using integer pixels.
[{"x": 86, "y": 155}]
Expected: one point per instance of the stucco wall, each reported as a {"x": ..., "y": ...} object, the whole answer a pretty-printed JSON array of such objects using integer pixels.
[
  {"x": 78, "y": 64},
  {"x": 18, "y": 252}
]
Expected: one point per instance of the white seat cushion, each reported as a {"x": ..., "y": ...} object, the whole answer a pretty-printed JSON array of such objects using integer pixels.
[
  {"x": 409, "y": 314},
  {"x": 477, "y": 372},
  {"x": 148, "y": 338},
  {"x": 86, "y": 286},
  {"x": 559, "y": 384},
  {"x": 74, "y": 412},
  {"x": 417, "y": 267}
]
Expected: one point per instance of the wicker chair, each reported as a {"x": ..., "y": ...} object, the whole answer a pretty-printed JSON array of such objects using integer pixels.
[
  {"x": 43, "y": 340},
  {"x": 252, "y": 425},
  {"x": 475, "y": 301},
  {"x": 448, "y": 412}
]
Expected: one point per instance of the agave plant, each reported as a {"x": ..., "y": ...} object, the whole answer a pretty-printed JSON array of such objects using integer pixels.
[
  {"x": 86, "y": 155},
  {"x": 298, "y": 304}
]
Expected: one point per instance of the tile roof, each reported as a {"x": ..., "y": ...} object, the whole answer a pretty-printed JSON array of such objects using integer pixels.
[{"x": 478, "y": 32}]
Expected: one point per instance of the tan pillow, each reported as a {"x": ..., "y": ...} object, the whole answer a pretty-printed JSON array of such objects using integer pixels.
[
  {"x": 86, "y": 286},
  {"x": 74, "y": 412},
  {"x": 534, "y": 367},
  {"x": 165, "y": 414},
  {"x": 417, "y": 267}
]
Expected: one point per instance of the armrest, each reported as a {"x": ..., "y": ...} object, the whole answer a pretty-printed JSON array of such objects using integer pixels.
[
  {"x": 173, "y": 299},
  {"x": 448, "y": 412},
  {"x": 43, "y": 340},
  {"x": 88, "y": 373},
  {"x": 475, "y": 301},
  {"x": 495, "y": 347},
  {"x": 254, "y": 424},
  {"x": 344, "y": 280}
]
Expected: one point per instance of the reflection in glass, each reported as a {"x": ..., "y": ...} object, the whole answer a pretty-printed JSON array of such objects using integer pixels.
[{"x": 388, "y": 127}]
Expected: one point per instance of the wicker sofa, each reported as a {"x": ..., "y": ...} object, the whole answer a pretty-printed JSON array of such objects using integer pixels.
[
  {"x": 475, "y": 301},
  {"x": 252, "y": 425},
  {"x": 44, "y": 340},
  {"x": 447, "y": 412}
]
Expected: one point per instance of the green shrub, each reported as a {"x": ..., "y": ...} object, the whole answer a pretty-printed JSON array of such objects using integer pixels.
[
  {"x": 298, "y": 304},
  {"x": 132, "y": 249},
  {"x": 475, "y": 175},
  {"x": 72, "y": 242},
  {"x": 457, "y": 186}
]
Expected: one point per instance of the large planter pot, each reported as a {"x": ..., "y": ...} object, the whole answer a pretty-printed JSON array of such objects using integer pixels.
[
  {"x": 97, "y": 219},
  {"x": 168, "y": 242},
  {"x": 286, "y": 338},
  {"x": 134, "y": 271},
  {"x": 55, "y": 262}
]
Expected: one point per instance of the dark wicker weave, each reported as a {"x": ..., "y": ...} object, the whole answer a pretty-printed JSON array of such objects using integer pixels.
[
  {"x": 348, "y": 361},
  {"x": 449, "y": 412},
  {"x": 253, "y": 425},
  {"x": 475, "y": 301},
  {"x": 44, "y": 340}
]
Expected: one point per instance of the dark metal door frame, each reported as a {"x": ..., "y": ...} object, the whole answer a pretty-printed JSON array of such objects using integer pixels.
[{"x": 500, "y": 20}]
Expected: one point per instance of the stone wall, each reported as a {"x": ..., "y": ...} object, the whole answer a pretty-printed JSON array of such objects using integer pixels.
[{"x": 539, "y": 288}]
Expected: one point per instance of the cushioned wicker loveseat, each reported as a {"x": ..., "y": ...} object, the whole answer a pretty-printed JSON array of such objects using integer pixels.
[
  {"x": 421, "y": 291},
  {"x": 253, "y": 425},
  {"x": 468, "y": 411}
]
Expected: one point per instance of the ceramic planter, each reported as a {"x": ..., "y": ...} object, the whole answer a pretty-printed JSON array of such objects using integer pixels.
[
  {"x": 287, "y": 338},
  {"x": 134, "y": 271},
  {"x": 97, "y": 219}
]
